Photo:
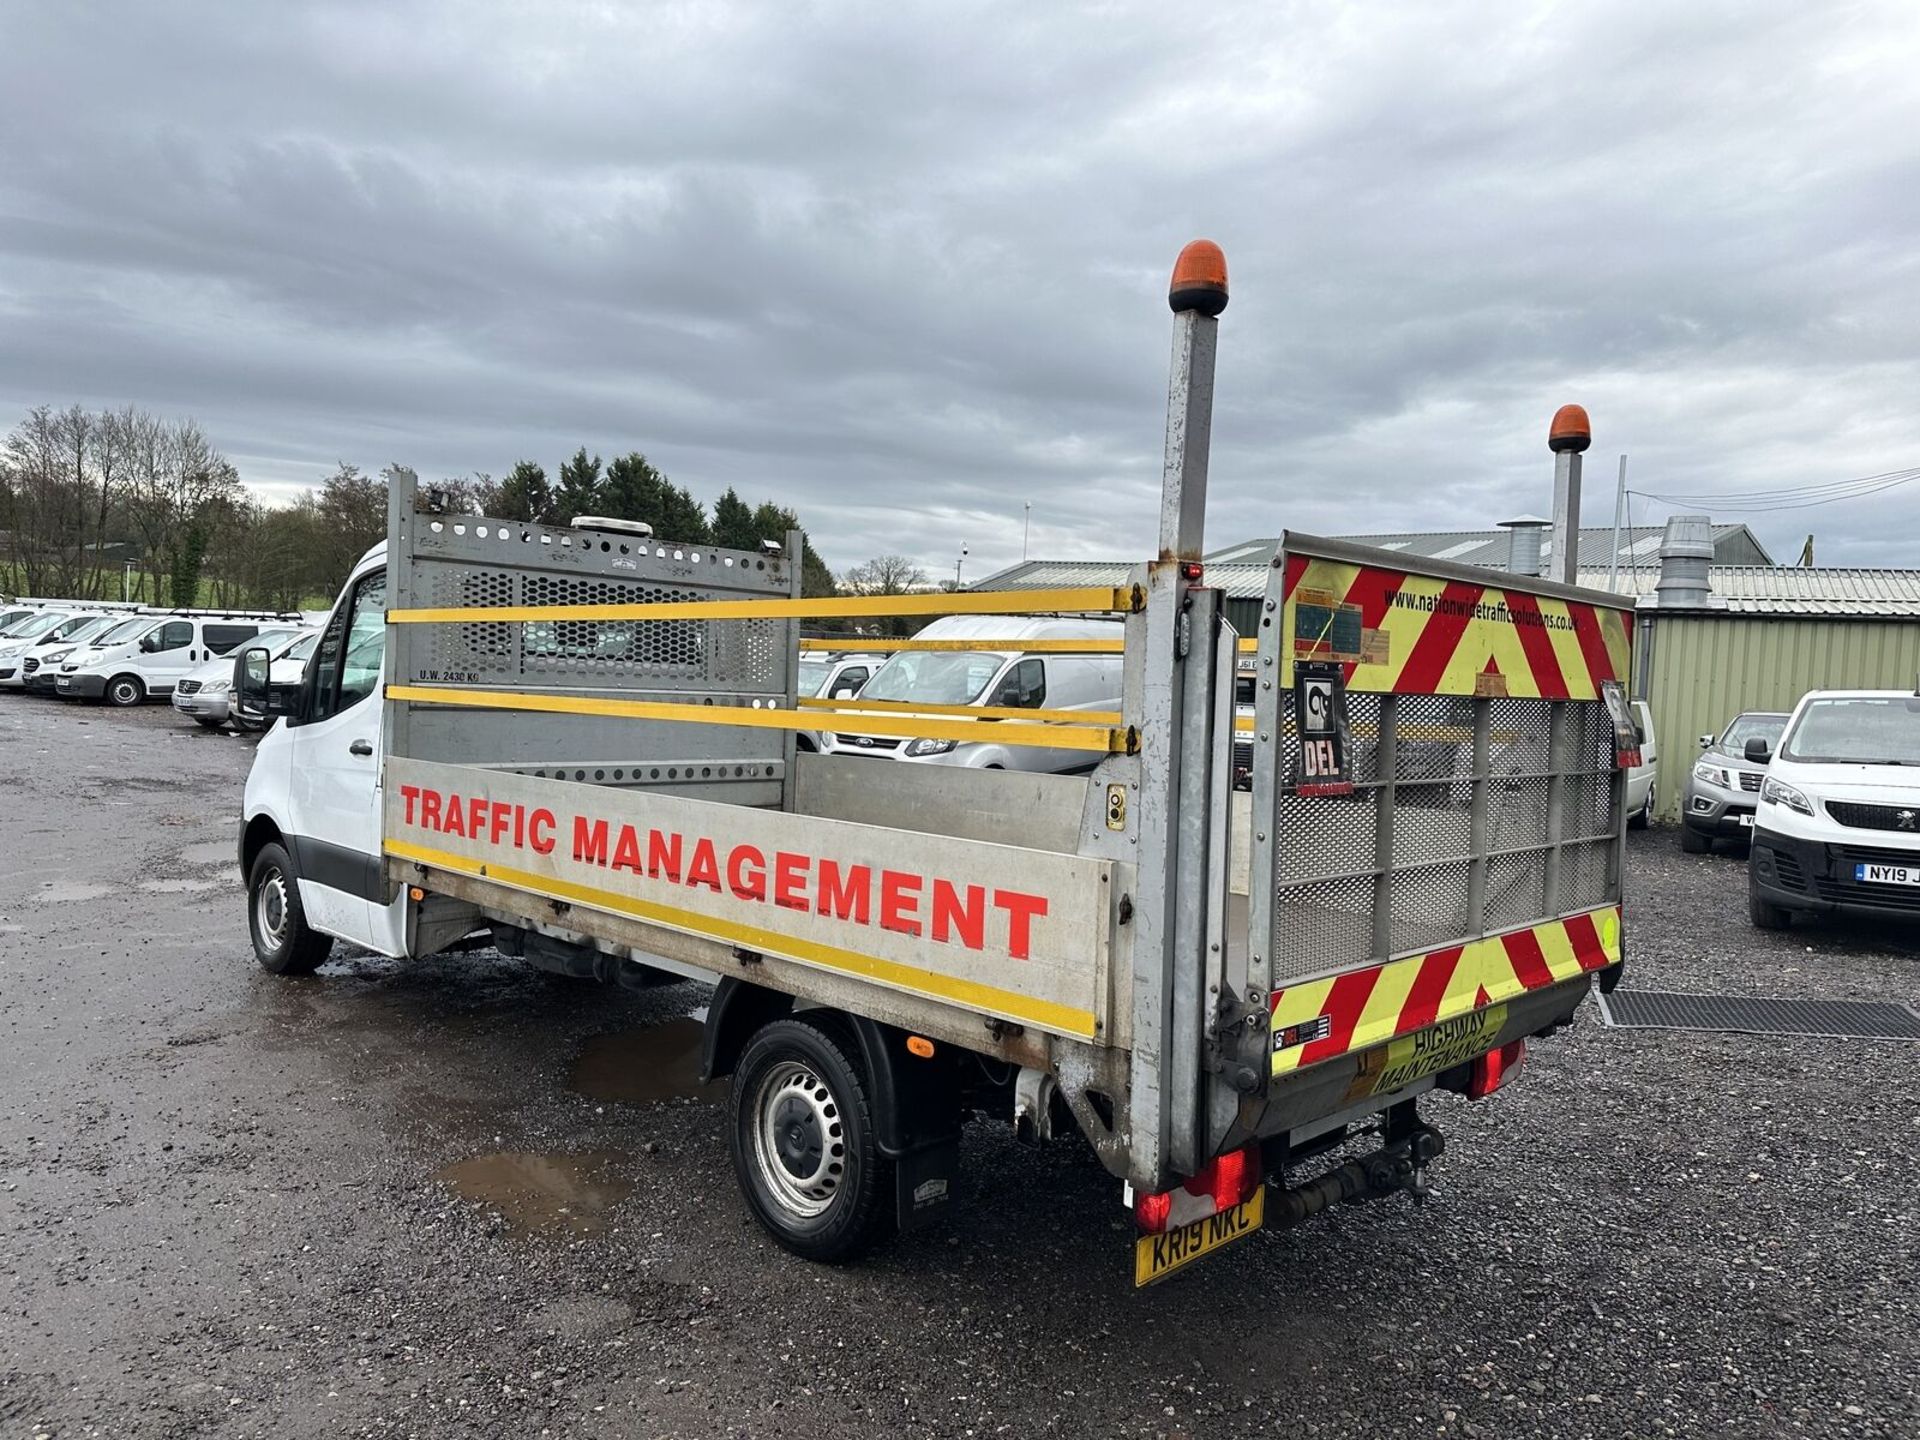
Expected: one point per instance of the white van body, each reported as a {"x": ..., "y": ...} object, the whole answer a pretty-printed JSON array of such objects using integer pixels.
[
  {"x": 1838, "y": 824},
  {"x": 34, "y": 666},
  {"x": 30, "y": 633},
  {"x": 1643, "y": 780},
  {"x": 1001, "y": 677},
  {"x": 146, "y": 663},
  {"x": 837, "y": 676},
  {"x": 318, "y": 782}
]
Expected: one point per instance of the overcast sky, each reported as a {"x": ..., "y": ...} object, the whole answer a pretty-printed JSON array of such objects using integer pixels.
[{"x": 904, "y": 267}]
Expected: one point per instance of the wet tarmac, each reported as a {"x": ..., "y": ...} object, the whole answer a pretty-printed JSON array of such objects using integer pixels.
[{"x": 458, "y": 1197}]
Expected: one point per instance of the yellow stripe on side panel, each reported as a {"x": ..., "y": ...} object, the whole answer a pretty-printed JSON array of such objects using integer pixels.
[{"x": 1060, "y": 1019}]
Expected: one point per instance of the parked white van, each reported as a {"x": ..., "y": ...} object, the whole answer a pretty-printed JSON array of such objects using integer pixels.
[
  {"x": 1838, "y": 825},
  {"x": 144, "y": 658},
  {"x": 204, "y": 695},
  {"x": 27, "y": 633},
  {"x": 22, "y": 662},
  {"x": 838, "y": 675},
  {"x": 1002, "y": 678}
]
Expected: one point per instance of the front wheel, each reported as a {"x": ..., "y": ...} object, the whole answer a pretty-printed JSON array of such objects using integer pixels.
[
  {"x": 803, "y": 1143},
  {"x": 206, "y": 724},
  {"x": 1764, "y": 914},
  {"x": 125, "y": 691},
  {"x": 1693, "y": 842},
  {"x": 283, "y": 943}
]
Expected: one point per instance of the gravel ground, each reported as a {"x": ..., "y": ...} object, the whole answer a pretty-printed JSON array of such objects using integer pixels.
[{"x": 436, "y": 1199}]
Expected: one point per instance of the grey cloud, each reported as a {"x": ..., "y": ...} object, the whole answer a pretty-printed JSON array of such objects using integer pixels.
[{"x": 906, "y": 270}]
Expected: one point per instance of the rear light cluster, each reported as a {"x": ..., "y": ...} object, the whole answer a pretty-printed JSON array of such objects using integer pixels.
[
  {"x": 1223, "y": 1182},
  {"x": 1491, "y": 1070}
]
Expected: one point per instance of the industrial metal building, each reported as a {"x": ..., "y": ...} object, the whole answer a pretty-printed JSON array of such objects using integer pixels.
[{"x": 1741, "y": 634}]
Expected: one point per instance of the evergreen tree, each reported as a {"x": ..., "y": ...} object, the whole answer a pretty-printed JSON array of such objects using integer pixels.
[
  {"x": 525, "y": 495},
  {"x": 733, "y": 523},
  {"x": 632, "y": 489},
  {"x": 580, "y": 491}
]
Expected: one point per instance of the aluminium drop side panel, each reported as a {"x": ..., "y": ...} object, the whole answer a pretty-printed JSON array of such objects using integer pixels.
[{"x": 1015, "y": 934}]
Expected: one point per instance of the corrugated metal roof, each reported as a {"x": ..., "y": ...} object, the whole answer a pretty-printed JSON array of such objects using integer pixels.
[
  {"x": 1239, "y": 582},
  {"x": 1490, "y": 547},
  {"x": 1835, "y": 590}
]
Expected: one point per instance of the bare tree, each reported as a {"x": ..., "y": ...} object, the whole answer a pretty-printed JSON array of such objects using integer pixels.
[
  {"x": 886, "y": 575},
  {"x": 176, "y": 482},
  {"x": 50, "y": 500}
]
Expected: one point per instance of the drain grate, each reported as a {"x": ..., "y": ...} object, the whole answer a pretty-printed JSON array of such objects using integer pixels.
[{"x": 1759, "y": 1015}]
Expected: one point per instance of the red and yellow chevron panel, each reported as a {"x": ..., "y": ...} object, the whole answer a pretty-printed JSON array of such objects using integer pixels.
[
  {"x": 1403, "y": 633},
  {"x": 1321, "y": 1019}
]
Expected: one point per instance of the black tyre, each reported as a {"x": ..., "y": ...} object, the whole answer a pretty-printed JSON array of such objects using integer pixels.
[
  {"x": 1693, "y": 842},
  {"x": 282, "y": 942},
  {"x": 1643, "y": 817},
  {"x": 1764, "y": 914},
  {"x": 206, "y": 724},
  {"x": 125, "y": 691},
  {"x": 803, "y": 1142}
]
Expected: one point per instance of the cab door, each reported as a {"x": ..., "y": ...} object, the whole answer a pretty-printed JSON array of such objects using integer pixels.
[
  {"x": 336, "y": 773},
  {"x": 166, "y": 654}
]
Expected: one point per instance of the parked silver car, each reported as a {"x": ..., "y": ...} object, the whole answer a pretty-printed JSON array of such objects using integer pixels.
[{"x": 1724, "y": 786}]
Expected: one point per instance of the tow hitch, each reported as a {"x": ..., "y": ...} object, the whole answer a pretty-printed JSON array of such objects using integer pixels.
[{"x": 1399, "y": 1164}]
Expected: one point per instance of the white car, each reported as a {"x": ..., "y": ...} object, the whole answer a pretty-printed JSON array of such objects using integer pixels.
[
  {"x": 203, "y": 695},
  {"x": 1838, "y": 824},
  {"x": 1643, "y": 780},
  {"x": 997, "y": 679}
]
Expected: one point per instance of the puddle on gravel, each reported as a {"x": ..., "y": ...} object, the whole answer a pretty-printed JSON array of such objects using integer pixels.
[
  {"x": 72, "y": 892},
  {"x": 544, "y": 1192},
  {"x": 644, "y": 1066},
  {"x": 208, "y": 852},
  {"x": 179, "y": 886}
]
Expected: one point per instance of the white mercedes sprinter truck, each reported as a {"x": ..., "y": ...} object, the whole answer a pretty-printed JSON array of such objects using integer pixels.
[{"x": 584, "y": 744}]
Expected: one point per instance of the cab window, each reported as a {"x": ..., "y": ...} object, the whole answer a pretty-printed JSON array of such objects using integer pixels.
[
  {"x": 174, "y": 635},
  {"x": 1023, "y": 687},
  {"x": 346, "y": 668},
  {"x": 222, "y": 638}
]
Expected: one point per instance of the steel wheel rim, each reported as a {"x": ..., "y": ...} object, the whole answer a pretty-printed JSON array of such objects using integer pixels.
[
  {"x": 799, "y": 1141},
  {"x": 123, "y": 693},
  {"x": 270, "y": 909}
]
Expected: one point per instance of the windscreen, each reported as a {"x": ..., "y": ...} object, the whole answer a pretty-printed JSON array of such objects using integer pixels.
[
  {"x": 125, "y": 630},
  {"x": 813, "y": 676},
  {"x": 36, "y": 627},
  {"x": 301, "y": 649},
  {"x": 1876, "y": 730},
  {"x": 1753, "y": 727},
  {"x": 933, "y": 677},
  {"x": 77, "y": 627}
]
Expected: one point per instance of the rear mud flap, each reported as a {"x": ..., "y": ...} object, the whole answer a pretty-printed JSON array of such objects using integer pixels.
[{"x": 924, "y": 1182}]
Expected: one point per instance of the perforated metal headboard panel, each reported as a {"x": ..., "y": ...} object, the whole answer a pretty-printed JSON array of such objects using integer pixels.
[{"x": 438, "y": 562}]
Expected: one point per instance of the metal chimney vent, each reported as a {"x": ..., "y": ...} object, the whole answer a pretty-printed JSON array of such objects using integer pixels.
[
  {"x": 1686, "y": 558},
  {"x": 1525, "y": 536}
]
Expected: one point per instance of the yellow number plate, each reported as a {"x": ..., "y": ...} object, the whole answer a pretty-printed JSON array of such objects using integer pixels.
[
  {"x": 1157, "y": 1256},
  {"x": 1397, "y": 1065}
]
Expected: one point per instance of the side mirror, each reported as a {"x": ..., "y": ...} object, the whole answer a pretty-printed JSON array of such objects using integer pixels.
[
  {"x": 1758, "y": 752},
  {"x": 1705, "y": 741},
  {"x": 252, "y": 685},
  {"x": 150, "y": 644}
]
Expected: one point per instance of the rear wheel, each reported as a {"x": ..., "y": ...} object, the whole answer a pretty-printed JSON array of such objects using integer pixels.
[
  {"x": 803, "y": 1142},
  {"x": 1764, "y": 914},
  {"x": 282, "y": 941},
  {"x": 125, "y": 690},
  {"x": 1693, "y": 842},
  {"x": 1643, "y": 817}
]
